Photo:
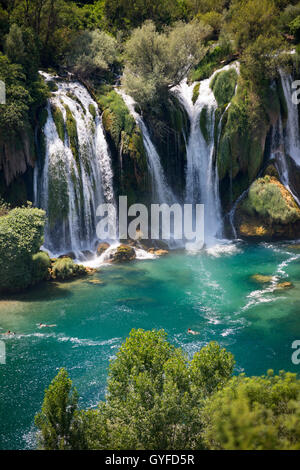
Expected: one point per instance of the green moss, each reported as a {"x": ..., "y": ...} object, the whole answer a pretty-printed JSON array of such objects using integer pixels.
[
  {"x": 116, "y": 116},
  {"x": 223, "y": 85},
  {"x": 204, "y": 123},
  {"x": 77, "y": 100},
  {"x": 195, "y": 92},
  {"x": 59, "y": 121},
  {"x": 58, "y": 201},
  {"x": 271, "y": 201},
  {"x": 211, "y": 61},
  {"x": 92, "y": 110},
  {"x": 72, "y": 133}
]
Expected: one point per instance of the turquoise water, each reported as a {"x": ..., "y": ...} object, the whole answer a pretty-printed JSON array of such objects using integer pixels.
[{"x": 211, "y": 292}]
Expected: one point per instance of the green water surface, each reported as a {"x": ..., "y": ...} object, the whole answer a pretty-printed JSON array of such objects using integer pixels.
[{"x": 211, "y": 292}]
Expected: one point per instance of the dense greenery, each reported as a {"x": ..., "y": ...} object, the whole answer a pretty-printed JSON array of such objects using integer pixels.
[
  {"x": 65, "y": 268},
  {"x": 21, "y": 235},
  {"x": 159, "y": 399}
]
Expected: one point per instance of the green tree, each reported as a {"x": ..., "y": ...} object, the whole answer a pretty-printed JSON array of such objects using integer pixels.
[
  {"x": 155, "y": 62},
  {"x": 59, "y": 420},
  {"x": 254, "y": 413},
  {"x": 92, "y": 53}
]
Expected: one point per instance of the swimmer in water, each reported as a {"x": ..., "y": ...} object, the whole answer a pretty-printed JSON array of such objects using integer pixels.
[
  {"x": 43, "y": 325},
  {"x": 9, "y": 333},
  {"x": 191, "y": 332}
]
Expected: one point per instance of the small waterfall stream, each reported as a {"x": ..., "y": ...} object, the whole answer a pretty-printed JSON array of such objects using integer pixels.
[
  {"x": 161, "y": 192},
  {"x": 76, "y": 174},
  {"x": 202, "y": 182},
  {"x": 286, "y": 142}
]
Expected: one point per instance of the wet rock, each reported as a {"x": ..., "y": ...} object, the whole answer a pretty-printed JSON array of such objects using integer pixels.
[
  {"x": 102, "y": 247},
  {"x": 161, "y": 252},
  {"x": 123, "y": 253},
  {"x": 261, "y": 278},
  {"x": 284, "y": 285},
  {"x": 70, "y": 255}
]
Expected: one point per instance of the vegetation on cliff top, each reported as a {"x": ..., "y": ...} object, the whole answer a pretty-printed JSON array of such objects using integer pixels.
[{"x": 158, "y": 398}]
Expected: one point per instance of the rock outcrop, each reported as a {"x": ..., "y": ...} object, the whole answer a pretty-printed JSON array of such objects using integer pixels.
[{"x": 269, "y": 212}]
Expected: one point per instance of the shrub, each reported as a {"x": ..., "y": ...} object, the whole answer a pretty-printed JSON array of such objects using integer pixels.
[
  {"x": 41, "y": 265},
  {"x": 21, "y": 235},
  {"x": 65, "y": 268}
]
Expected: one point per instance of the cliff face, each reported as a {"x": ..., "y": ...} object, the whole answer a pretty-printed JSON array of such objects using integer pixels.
[{"x": 16, "y": 155}]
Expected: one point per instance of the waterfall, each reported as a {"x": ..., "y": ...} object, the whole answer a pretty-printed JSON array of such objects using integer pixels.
[
  {"x": 202, "y": 181},
  {"x": 292, "y": 131},
  {"x": 286, "y": 142},
  {"x": 75, "y": 175},
  {"x": 161, "y": 192}
]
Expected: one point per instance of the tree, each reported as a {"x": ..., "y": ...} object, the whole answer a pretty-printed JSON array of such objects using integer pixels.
[
  {"x": 92, "y": 53},
  {"x": 254, "y": 413},
  {"x": 155, "y": 62},
  {"x": 248, "y": 19},
  {"x": 59, "y": 422}
]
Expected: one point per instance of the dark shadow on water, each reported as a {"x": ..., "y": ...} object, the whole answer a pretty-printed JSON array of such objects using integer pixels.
[{"x": 46, "y": 291}]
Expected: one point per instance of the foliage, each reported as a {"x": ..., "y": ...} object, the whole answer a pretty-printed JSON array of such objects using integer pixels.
[
  {"x": 125, "y": 15},
  {"x": 248, "y": 19},
  {"x": 212, "y": 60},
  {"x": 40, "y": 267},
  {"x": 223, "y": 85},
  {"x": 155, "y": 62},
  {"x": 65, "y": 268},
  {"x": 58, "y": 419},
  {"x": 71, "y": 127},
  {"x": 21, "y": 235},
  {"x": 254, "y": 413},
  {"x": 92, "y": 53},
  {"x": 155, "y": 395}
]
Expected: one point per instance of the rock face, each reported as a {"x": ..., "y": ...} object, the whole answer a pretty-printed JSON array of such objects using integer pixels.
[
  {"x": 269, "y": 212},
  {"x": 102, "y": 247},
  {"x": 123, "y": 253}
]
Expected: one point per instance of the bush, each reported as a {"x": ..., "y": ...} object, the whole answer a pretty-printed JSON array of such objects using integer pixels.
[
  {"x": 155, "y": 62},
  {"x": 21, "y": 235},
  {"x": 65, "y": 268},
  {"x": 41, "y": 265}
]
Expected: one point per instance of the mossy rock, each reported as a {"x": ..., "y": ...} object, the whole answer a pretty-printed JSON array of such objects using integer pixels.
[
  {"x": 123, "y": 253},
  {"x": 59, "y": 121},
  {"x": 223, "y": 86},
  {"x": 52, "y": 86},
  {"x": 261, "y": 278},
  {"x": 195, "y": 92},
  {"x": 64, "y": 269},
  {"x": 268, "y": 212},
  {"x": 72, "y": 133},
  {"x": 92, "y": 110},
  {"x": 204, "y": 122}
]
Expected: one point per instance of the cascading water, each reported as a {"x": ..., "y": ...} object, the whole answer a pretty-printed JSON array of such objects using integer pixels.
[
  {"x": 75, "y": 175},
  {"x": 292, "y": 131},
  {"x": 161, "y": 192},
  {"x": 286, "y": 142},
  {"x": 202, "y": 182}
]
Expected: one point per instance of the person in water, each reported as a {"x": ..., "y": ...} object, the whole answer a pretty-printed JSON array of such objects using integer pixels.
[
  {"x": 9, "y": 333},
  {"x": 43, "y": 325},
  {"x": 192, "y": 332}
]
